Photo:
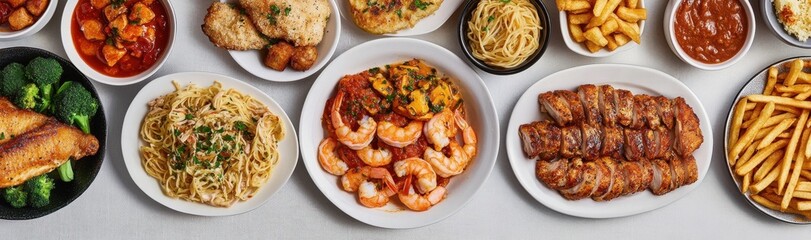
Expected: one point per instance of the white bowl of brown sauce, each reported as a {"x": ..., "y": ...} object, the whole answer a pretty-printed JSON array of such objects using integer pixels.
[{"x": 709, "y": 34}]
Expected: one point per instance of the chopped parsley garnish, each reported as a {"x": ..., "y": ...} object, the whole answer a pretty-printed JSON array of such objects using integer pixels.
[
  {"x": 189, "y": 116},
  {"x": 228, "y": 138},
  {"x": 505, "y": 1},
  {"x": 203, "y": 129},
  {"x": 422, "y": 5},
  {"x": 374, "y": 70},
  {"x": 117, "y": 3},
  {"x": 491, "y": 18},
  {"x": 437, "y": 108},
  {"x": 399, "y": 13},
  {"x": 2, "y": 136},
  {"x": 274, "y": 11},
  {"x": 239, "y": 125},
  {"x": 287, "y": 11},
  {"x": 113, "y": 35},
  {"x": 176, "y": 132}
]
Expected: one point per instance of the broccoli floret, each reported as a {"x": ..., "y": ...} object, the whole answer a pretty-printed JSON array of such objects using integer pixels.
[
  {"x": 45, "y": 73},
  {"x": 27, "y": 97},
  {"x": 12, "y": 79},
  {"x": 39, "y": 190},
  {"x": 65, "y": 171},
  {"x": 73, "y": 104},
  {"x": 15, "y": 196}
]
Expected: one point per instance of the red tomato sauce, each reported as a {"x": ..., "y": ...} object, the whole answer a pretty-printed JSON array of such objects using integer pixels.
[
  {"x": 711, "y": 31},
  {"x": 141, "y": 55}
]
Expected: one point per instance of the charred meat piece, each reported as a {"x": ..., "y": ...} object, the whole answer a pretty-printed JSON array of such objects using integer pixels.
[
  {"x": 633, "y": 177},
  {"x": 647, "y": 174},
  {"x": 666, "y": 114},
  {"x": 570, "y": 146},
  {"x": 603, "y": 180},
  {"x": 688, "y": 132},
  {"x": 664, "y": 139},
  {"x": 591, "y": 141},
  {"x": 661, "y": 177},
  {"x": 530, "y": 139},
  {"x": 651, "y": 144},
  {"x": 556, "y": 107},
  {"x": 651, "y": 112},
  {"x": 617, "y": 184},
  {"x": 691, "y": 170},
  {"x": 574, "y": 175},
  {"x": 574, "y": 104},
  {"x": 678, "y": 172},
  {"x": 540, "y": 139},
  {"x": 552, "y": 173},
  {"x": 585, "y": 187},
  {"x": 634, "y": 144},
  {"x": 624, "y": 101},
  {"x": 590, "y": 98},
  {"x": 607, "y": 105},
  {"x": 638, "y": 119},
  {"x": 612, "y": 142}
]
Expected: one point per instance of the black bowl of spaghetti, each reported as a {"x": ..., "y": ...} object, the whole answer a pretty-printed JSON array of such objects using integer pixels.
[{"x": 504, "y": 36}]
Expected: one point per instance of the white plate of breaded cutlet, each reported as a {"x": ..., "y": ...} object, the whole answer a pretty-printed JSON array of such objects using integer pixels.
[{"x": 276, "y": 40}]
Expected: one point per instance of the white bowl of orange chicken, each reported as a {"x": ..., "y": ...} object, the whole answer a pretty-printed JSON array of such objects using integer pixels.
[
  {"x": 23, "y": 18},
  {"x": 118, "y": 42}
]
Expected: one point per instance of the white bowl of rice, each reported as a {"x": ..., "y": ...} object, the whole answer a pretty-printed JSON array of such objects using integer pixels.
[{"x": 789, "y": 20}]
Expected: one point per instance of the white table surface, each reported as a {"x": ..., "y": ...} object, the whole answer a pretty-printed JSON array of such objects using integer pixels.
[{"x": 114, "y": 208}]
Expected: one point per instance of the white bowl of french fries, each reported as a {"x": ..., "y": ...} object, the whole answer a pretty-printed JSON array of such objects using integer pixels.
[
  {"x": 768, "y": 148},
  {"x": 670, "y": 34},
  {"x": 603, "y": 28}
]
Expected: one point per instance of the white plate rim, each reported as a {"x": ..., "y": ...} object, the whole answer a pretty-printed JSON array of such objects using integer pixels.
[
  {"x": 248, "y": 61},
  {"x": 484, "y": 162},
  {"x": 130, "y": 141},
  {"x": 550, "y": 198},
  {"x": 427, "y": 25}
]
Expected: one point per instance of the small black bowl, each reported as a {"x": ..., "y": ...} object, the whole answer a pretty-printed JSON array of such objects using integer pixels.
[
  {"x": 543, "y": 40},
  {"x": 85, "y": 169}
]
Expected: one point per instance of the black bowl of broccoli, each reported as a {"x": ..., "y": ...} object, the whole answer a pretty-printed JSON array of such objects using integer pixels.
[{"x": 49, "y": 102}]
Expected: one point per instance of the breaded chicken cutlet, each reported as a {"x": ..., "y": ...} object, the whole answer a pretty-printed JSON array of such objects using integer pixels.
[
  {"x": 301, "y": 22},
  {"x": 227, "y": 27}
]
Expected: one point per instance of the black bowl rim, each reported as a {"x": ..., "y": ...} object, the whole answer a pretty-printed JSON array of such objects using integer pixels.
[
  {"x": 462, "y": 32},
  {"x": 99, "y": 114}
]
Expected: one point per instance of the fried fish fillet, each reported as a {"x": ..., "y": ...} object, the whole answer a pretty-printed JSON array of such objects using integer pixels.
[
  {"x": 228, "y": 27},
  {"x": 301, "y": 22},
  {"x": 42, "y": 150},
  {"x": 15, "y": 122},
  {"x": 389, "y": 16}
]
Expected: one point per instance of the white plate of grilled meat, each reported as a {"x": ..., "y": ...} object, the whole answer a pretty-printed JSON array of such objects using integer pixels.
[{"x": 608, "y": 140}]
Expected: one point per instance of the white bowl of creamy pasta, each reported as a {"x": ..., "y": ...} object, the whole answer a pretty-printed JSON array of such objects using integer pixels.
[{"x": 207, "y": 144}]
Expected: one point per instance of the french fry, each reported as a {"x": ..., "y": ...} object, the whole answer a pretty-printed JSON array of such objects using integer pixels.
[
  {"x": 792, "y": 146},
  {"x": 796, "y": 88},
  {"x": 592, "y": 47},
  {"x": 774, "y": 206},
  {"x": 610, "y": 26},
  {"x": 632, "y": 3},
  {"x": 803, "y": 96},
  {"x": 595, "y": 36},
  {"x": 760, "y": 156},
  {"x": 768, "y": 165},
  {"x": 750, "y": 106},
  {"x": 627, "y": 29},
  {"x": 794, "y": 71},
  {"x": 577, "y": 33},
  {"x": 621, "y": 39},
  {"x": 763, "y": 132},
  {"x": 802, "y": 195},
  {"x": 803, "y": 186},
  {"x": 748, "y": 115},
  {"x": 802, "y": 205},
  {"x": 785, "y": 124},
  {"x": 737, "y": 120},
  {"x": 631, "y": 15},
  {"x": 574, "y": 5},
  {"x": 747, "y": 180},
  {"x": 599, "y": 5},
  {"x": 788, "y": 109},
  {"x": 611, "y": 43},
  {"x": 750, "y": 150},
  {"x": 780, "y": 100},
  {"x": 607, "y": 10},
  {"x": 771, "y": 80},
  {"x": 795, "y": 173},
  {"x": 773, "y": 120},
  {"x": 806, "y": 174},
  {"x": 582, "y": 18},
  {"x": 749, "y": 135},
  {"x": 561, "y": 4},
  {"x": 762, "y": 184}
]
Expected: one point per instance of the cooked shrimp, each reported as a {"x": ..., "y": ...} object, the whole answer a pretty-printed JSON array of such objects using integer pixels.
[
  {"x": 328, "y": 159},
  {"x": 426, "y": 177},
  {"x": 468, "y": 135},
  {"x": 375, "y": 157},
  {"x": 399, "y": 137},
  {"x": 440, "y": 129},
  {"x": 354, "y": 177},
  {"x": 448, "y": 166},
  {"x": 355, "y": 140},
  {"x": 369, "y": 193},
  {"x": 420, "y": 202}
]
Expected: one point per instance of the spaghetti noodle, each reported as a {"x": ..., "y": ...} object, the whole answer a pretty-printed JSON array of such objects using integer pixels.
[
  {"x": 504, "y": 33},
  {"x": 210, "y": 145}
]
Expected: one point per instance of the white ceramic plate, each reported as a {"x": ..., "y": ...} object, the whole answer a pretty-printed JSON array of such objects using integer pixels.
[
  {"x": 426, "y": 25},
  {"x": 7, "y": 35},
  {"x": 253, "y": 60},
  {"x": 638, "y": 80},
  {"x": 481, "y": 113},
  {"x": 73, "y": 53},
  {"x": 580, "y": 48},
  {"x": 131, "y": 142}
]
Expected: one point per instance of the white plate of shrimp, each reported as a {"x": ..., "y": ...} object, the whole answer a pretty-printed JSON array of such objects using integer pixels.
[{"x": 376, "y": 171}]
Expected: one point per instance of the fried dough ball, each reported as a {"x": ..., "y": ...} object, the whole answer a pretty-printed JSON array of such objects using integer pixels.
[
  {"x": 279, "y": 55},
  {"x": 20, "y": 19},
  {"x": 303, "y": 58}
]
